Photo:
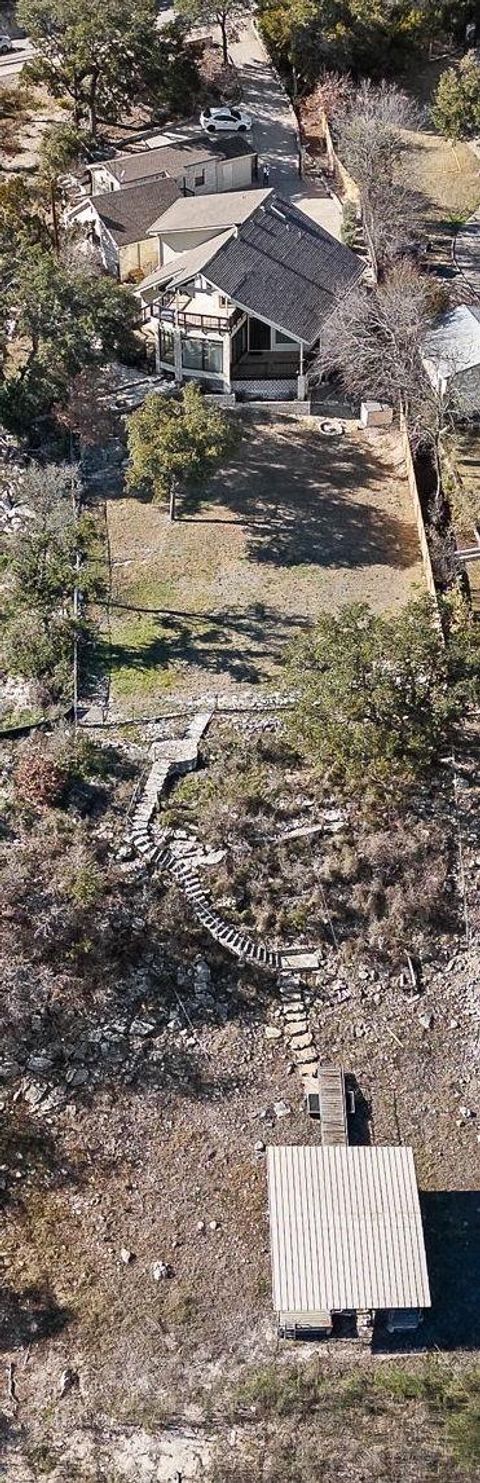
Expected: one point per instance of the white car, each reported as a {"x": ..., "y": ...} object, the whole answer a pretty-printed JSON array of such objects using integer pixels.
[
  {"x": 225, "y": 120},
  {"x": 6, "y": 44}
]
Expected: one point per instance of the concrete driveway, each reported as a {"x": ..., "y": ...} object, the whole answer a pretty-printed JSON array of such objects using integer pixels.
[
  {"x": 275, "y": 131},
  {"x": 467, "y": 252}
]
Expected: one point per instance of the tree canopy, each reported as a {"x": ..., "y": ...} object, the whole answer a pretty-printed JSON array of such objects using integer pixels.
[
  {"x": 175, "y": 443},
  {"x": 380, "y": 696},
  {"x": 456, "y": 105},
  {"x": 374, "y": 37},
  {"x": 60, "y": 317},
  {"x": 106, "y": 60},
  {"x": 46, "y": 562}
]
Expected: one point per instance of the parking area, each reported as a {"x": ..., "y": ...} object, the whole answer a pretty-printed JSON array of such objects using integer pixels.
[{"x": 299, "y": 522}]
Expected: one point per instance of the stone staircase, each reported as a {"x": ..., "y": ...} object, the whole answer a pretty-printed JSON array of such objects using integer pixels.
[{"x": 172, "y": 758}]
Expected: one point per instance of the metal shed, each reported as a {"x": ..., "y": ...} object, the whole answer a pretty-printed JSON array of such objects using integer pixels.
[{"x": 345, "y": 1232}]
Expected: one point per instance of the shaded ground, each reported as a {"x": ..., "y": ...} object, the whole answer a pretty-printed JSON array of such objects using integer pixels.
[{"x": 297, "y": 524}]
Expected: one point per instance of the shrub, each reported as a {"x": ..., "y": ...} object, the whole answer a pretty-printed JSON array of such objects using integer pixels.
[{"x": 40, "y": 776}]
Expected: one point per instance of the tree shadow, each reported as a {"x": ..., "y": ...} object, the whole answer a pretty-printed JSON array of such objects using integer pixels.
[
  {"x": 244, "y": 646},
  {"x": 28, "y": 1316},
  {"x": 295, "y": 493}
]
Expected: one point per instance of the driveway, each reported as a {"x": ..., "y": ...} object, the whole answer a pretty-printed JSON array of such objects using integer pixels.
[
  {"x": 275, "y": 131},
  {"x": 467, "y": 252}
]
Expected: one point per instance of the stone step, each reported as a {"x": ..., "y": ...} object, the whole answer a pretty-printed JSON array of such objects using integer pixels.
[
  {"x": 302, "y": 1057},
  {"x": 300, "y": 1042}
]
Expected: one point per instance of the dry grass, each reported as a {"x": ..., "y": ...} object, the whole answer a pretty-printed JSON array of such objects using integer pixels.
[
  {"x": 447, "y": 176},
  {"x": 298, "y": 523}
]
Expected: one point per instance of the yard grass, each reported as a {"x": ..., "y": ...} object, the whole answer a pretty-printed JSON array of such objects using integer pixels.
[
  {"x": 446, "y": 175},
  {"x": 297, "y": 523}
]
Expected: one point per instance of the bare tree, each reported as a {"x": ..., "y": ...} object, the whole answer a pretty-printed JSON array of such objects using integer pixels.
[
  {"x": 373, "y": 341},
  {"x": 368, "y": 125}
]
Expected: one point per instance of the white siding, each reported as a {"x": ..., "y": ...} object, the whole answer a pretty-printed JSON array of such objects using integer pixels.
[{"x": 345, "y": 1229}]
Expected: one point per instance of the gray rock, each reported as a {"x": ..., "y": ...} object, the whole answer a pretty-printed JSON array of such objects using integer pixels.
[
  {"x": 160, "y": 1270},
  {"x": 259, "y": 1146},
  {"x": 142, "y": 1028},
  {"x": 281, "y": 1109},
  {"x": 426, "y": 1021},
  {"x": 34, "y": 1093}
]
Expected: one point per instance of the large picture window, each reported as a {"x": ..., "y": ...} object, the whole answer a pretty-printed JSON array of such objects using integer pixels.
[{"x": 202, "y": 355}]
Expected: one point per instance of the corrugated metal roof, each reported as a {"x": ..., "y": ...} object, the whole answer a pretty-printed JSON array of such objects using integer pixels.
[{"x": 345, "y": 1229}]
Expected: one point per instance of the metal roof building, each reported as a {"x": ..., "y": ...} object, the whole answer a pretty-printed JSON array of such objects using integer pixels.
[{"x": 345, "y": 1231}]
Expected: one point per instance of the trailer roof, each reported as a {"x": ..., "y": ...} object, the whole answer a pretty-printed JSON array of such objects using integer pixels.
[{"x": 345, "y": 1229}]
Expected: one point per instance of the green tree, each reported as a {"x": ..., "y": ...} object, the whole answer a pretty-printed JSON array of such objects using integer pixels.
[
  {"x": 456, "y": 106},
  {"x": 62, "y": 148},
  {"x": 64, "y": 320},
  {"x": 56, "y": 554},
  {"x": 380, "y": 697},
  {"x": 175, "y": 443},
  {"x": 104, "y": 60}
]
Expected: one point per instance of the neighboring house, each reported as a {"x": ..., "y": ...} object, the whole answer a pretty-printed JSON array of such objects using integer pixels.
[
  {"x": 450, "y": 354},
  {"x": 346, "y": 1240},
  {"x": 120, "y": 222},
  {"x": 198, "y": 165},
  {"x": 244, "y": 309}
]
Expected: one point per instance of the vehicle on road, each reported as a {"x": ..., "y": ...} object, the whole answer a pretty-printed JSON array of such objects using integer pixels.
[
  {"x": 6, "y": 44},
  {"x": 225, "y": 120}
]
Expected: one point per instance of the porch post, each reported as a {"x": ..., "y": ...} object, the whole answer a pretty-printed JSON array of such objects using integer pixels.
[
  {"x": 156, "y": 329},
  {"x": 301, "y": 379},
  {"x": 177, "y": 355},
  {"x": 227, "y": 356}
]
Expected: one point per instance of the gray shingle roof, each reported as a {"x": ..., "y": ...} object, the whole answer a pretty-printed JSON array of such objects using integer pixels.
[
  {"x": 172, "y": 159},
  {"x": 128, "y": 214},
  {"x": 284, "y": 268}
]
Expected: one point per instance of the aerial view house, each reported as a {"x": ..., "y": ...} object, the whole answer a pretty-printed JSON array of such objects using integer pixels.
[
  {"x": 119, "y": 223},
  {"x": 199, "y": 165},
  {"x": 346, "y": 1239},
  {"x": 242, "y": 307},
  {"x": 451, "y": 357}
]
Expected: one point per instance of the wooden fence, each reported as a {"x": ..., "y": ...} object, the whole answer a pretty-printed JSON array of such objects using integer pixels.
[{"x": 417, "y": 509}]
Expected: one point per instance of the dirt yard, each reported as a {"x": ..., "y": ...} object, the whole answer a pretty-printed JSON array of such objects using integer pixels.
[
  {"x": 155, "y": 1160},
  {"x": 298, "y": 523}
]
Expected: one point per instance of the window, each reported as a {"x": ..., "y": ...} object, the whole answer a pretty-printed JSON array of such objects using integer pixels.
[
  {"x": 166, "y": 346},
  {"x": 200, "y": 177},
  {"x": 202, "y": 355},
  {"x": 213, "y": 356},
  {"x": 281, "y": 339}
]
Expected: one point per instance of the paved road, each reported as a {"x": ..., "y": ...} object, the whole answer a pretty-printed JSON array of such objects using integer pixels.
[{"x": 11, "y": 65}]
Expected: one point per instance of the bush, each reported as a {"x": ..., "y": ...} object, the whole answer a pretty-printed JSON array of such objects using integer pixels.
[
  {"x": 349, "y": 223},
  {"x": 40, "y": 776},
  {"x": 380, "y": 698},
  {"x": 456, "y": 105}
]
